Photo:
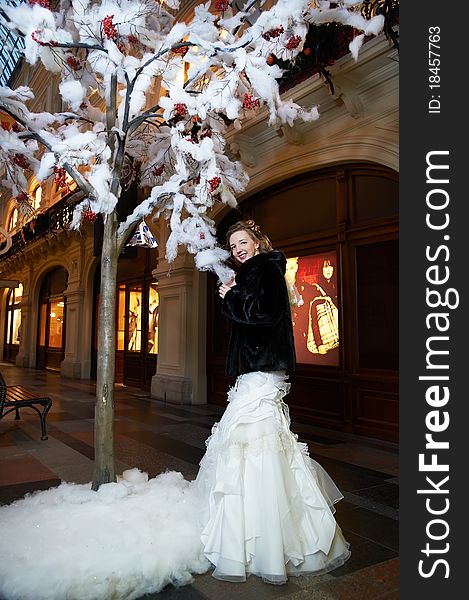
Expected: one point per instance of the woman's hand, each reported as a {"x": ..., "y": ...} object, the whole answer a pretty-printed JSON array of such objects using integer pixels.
[{"x": 225, "y": 287}]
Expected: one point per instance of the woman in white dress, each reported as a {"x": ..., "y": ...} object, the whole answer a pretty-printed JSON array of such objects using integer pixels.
[{"x": 268, "y": 506}]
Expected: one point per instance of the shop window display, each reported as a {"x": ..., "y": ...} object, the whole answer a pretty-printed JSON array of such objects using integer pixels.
[{"x": 312, "y": 284}]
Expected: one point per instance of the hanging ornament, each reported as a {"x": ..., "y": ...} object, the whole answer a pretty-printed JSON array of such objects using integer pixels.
[{"x": 143, "y": 237}]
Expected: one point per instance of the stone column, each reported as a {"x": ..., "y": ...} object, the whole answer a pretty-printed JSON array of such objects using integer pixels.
[
  {"x": 71, "y": 366},
  {"x": 26, "y": 353},
  {"x": 181, "y": 373}
]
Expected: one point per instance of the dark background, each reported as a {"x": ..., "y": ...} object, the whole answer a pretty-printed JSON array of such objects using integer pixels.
[{"x": 421, "y": 133}]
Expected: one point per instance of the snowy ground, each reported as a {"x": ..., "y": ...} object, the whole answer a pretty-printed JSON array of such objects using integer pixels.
[{"x": 127, "y": 539}]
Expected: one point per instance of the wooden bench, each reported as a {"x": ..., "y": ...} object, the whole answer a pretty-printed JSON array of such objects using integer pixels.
[{"x": 14, "y": 397}]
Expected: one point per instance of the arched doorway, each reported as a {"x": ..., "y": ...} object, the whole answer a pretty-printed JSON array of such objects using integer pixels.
[
  {"x": 346, "y": 217},
  {"x": 137, "y": 305},
  {"x": 51, "y": 326},
  {"x": 13, "y": 323}
]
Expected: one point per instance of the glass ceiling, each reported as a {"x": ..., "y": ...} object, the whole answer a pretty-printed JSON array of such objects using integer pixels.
[{"x": 11, "y": 50}]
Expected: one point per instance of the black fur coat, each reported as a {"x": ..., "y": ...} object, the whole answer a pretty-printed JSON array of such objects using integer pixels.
[{"x": 259, "y": 308}]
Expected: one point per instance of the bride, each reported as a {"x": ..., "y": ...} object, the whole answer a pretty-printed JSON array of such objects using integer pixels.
[{"x": 268, "y": 506}]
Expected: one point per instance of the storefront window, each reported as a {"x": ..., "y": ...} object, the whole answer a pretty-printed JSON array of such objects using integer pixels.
[
  {"x": 312, "y": 286},
  {"x": 14, "y": 315},
  {"x": 42, "y": 324},
  {"x": 56, "y": 324},
  {"x": 134, "y": 321},
  {"x": 52, "y": 310},
  {"x": 153, "y": 304},
  {"x": 121, "y": 317}
]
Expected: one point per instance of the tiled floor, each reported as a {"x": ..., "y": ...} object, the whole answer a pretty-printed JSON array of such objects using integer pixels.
[{"x": 155, "y": 437}]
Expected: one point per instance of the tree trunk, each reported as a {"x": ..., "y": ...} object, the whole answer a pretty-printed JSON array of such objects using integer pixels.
[{"x": 104, "y": 469}]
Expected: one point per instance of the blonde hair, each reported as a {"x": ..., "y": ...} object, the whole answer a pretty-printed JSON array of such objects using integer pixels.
[{"x": 254, "y": 233}]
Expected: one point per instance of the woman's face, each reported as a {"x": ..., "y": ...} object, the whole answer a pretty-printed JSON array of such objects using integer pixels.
[
  {"x": 242, "y": 246},
  {"x": 327, "y": 271}
]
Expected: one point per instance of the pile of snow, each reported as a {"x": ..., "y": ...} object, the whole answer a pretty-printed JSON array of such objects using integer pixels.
[{"x": 128, "y": 539}]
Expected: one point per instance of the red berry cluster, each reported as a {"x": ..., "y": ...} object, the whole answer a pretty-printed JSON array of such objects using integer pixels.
[
  {"x": 83, "y": 106},
  {"x": 109, "y": 29},
  {"x": 221, "y": 5},
  {"x": 182, "y": 50},
  {"x": 180, "y": 109},
  {"x": 89, "y": 215},
  {"x": 133, "y": 39},
  {"x": 250, "y": 101},
  {"x": 60, "y": 177},
  {"x": 273, "y": 33},
  {"x": 157, "y": 171},
  {"x": 22, "y": 198},
  {"x": 214, "y": 183},
  {"x": 293, "y": 42},
  {"x": 43, "y": 3},
  {"x": 73, "y": 63},
  {"x": 35, "y": 36},
  {"x": 21, "y": 161},
  {"x": 202, "y": 235}
]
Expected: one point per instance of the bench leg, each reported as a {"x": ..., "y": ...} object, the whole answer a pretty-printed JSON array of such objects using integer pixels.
[
  {"x": 43, "y": 416},
  {"x": 17, "y": 416}
]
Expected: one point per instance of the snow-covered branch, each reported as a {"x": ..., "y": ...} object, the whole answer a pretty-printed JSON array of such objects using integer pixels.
[{"x": 138, "y": 83}]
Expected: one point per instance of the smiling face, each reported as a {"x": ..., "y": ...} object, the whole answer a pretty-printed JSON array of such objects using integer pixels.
[{"x": 242, "y": 246}]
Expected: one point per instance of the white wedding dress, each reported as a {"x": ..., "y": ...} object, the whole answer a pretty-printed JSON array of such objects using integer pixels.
[{"x": 267, "y": 506}]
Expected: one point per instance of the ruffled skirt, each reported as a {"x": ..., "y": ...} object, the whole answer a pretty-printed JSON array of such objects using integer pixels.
[{"x": 267, "y": 506}]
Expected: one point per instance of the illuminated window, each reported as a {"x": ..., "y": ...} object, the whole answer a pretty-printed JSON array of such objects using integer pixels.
[
  {"x": 13, "y": 330},
  {"x": 121, "y": 318},
  {"x": 153, "y": 303},
  {"x": 37, "y": 197},
  {"x": 52, "y": 310},
  {"x": 314, "y": 299},
  {"x": 135, "y": 333},
  {"x": 134, "y": 322},
  {"x": 13, "y": 221}
]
